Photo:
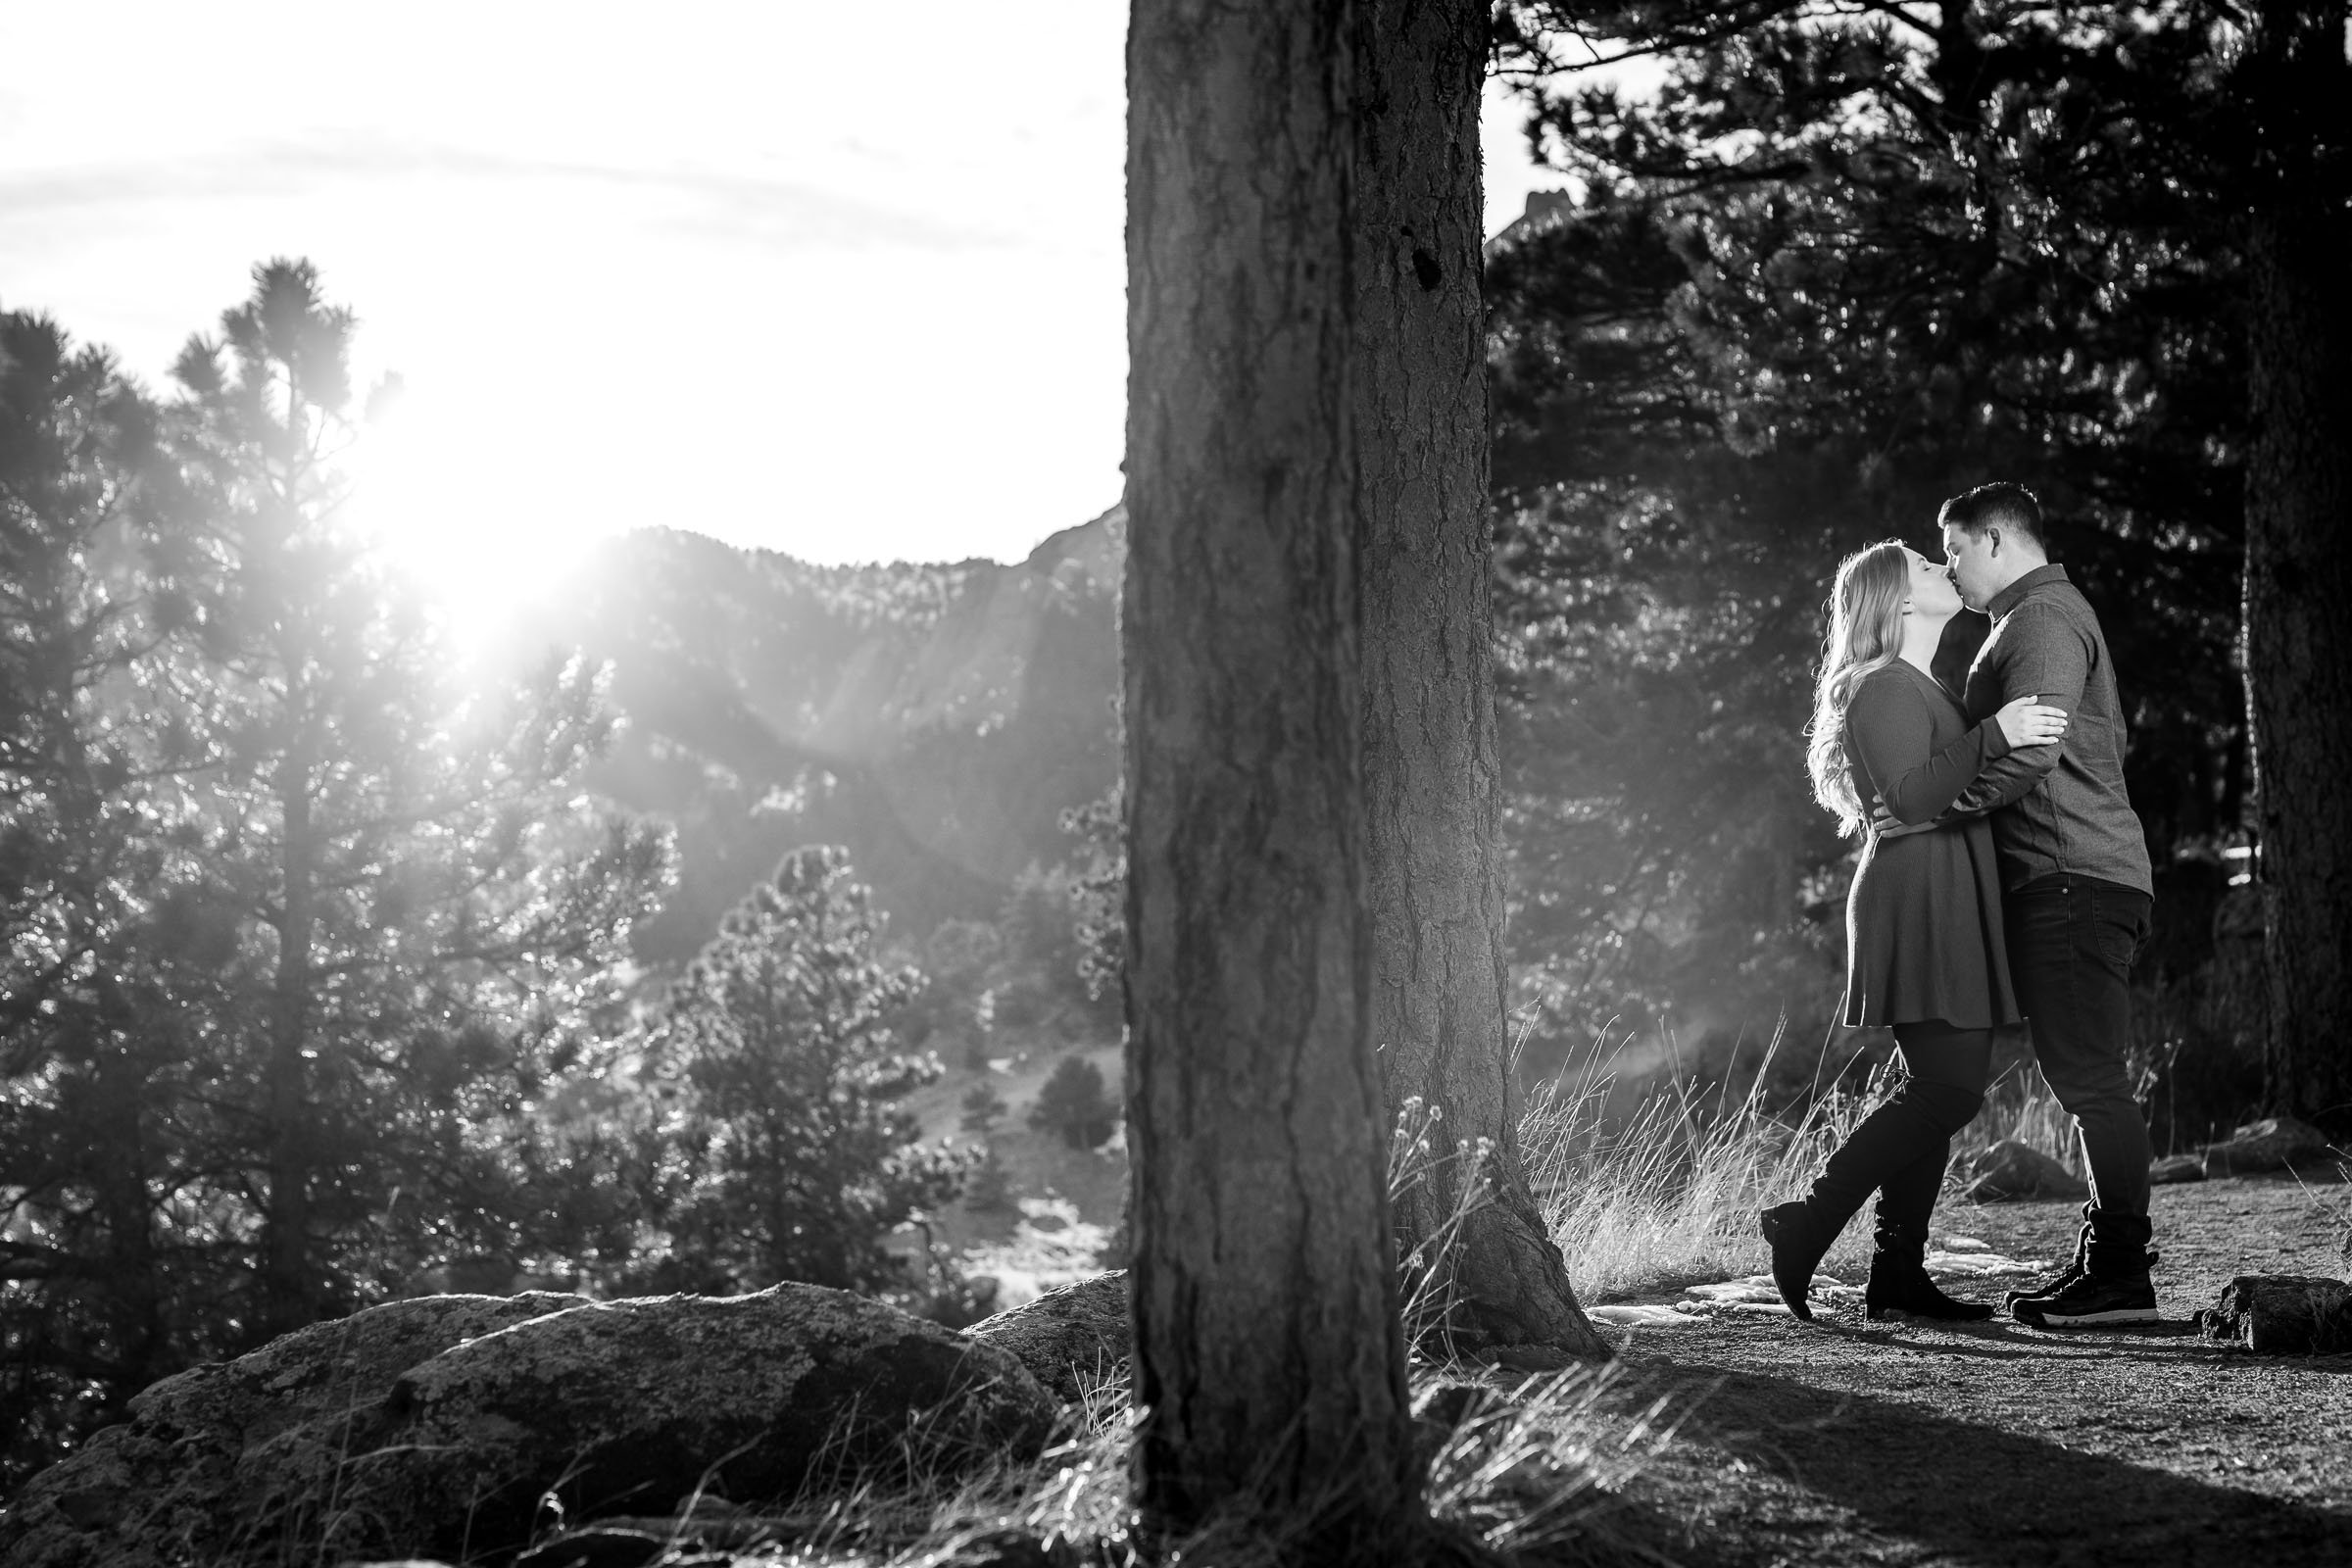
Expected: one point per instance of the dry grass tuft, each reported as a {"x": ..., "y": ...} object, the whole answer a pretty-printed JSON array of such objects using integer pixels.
[
  {"x": 1529, "y": 1472},
  {"x": 2020, "y": 1105},
  {"x": 1667, "y": 1194}
]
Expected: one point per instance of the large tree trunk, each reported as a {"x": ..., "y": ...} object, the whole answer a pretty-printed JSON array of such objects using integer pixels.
[
  {"x": 1430, "y": 777},
  {"x": 2298, "y": 566},
  {"x": 1269, "y": 1361}
]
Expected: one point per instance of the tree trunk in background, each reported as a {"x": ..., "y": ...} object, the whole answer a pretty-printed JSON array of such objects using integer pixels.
[
  {"x": 1430, "y": 777},
  {"x": 289, "y": 1295},
  {"x": 125, "y": 1198},
  {"x": 1269, "y": 1361},
  {"x": 2298, "y": 569}
]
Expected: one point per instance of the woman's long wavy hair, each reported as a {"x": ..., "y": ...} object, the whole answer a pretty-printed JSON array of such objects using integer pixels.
[{"x": 1866, "y": 635}]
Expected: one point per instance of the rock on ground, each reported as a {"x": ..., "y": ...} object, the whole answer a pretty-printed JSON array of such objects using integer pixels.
[
  {"x": 632, "y": 1405},
  {"x": 620, "y": 1406},
  {"x": 2010, "y": 1169},
  {"x": 2271, "y": 1144},
  {"x": 1071, "y": 1338},
  {"x": 2282, "y": 1314},
  {"x": 140, "y": 1493},
  {"x": 2176, "y": 1168}
]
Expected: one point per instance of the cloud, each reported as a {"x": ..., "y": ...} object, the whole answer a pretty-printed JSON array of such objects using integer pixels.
[{"x": 735, "y": 207}]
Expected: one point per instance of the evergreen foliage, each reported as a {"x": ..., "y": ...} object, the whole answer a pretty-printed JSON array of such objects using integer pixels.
[
  {"x": 96, "y": 1294},
  {"x": 783, "y": 1154},
  {"x": 933, "y": 719},
  {"x": 1075, "y": 1103},
  {"x": 303, "y": 934},
  {"x": 312, "y": 973},
  {"x": 429, "y": 913},
  {"x": 1843, "y": 262},
  {"x": 988, "y": 1189},
  {"x": 1098, "y": 894},
  {"x": 983, "y": 1108}
]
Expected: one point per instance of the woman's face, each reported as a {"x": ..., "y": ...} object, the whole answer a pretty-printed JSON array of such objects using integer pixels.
[{"x": 1930, "y": 593}]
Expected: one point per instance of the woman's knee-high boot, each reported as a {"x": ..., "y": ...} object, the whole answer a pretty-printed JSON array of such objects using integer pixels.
[
  {"x": 1916, "y": 1124},
  {"x": 1898, "y": 1275},
  {"x": 1801, "y": 1233}
]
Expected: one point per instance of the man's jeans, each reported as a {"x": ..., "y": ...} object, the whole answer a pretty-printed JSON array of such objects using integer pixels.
[{"x": 2072, "y": 940}]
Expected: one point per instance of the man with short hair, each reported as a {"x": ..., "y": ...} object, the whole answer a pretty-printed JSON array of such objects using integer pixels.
[{"x": 2076, "y": 889}]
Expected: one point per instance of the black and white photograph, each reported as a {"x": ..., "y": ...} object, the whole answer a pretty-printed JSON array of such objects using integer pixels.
[{"x": 1176, "y": 784}]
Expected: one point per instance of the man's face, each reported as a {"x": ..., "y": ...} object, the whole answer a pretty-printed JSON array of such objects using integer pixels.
[{"x": 1974, "y": 570}]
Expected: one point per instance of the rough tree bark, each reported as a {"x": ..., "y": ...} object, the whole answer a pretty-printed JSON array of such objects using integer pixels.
[
  {"x": 2298, "y": 561},
  {"x": 1269, "y": 1359},
  {"x": 1431, "y": 776}
]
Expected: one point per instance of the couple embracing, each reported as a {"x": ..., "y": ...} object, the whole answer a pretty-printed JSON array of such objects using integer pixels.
[{"x": 2003, "y": 878}]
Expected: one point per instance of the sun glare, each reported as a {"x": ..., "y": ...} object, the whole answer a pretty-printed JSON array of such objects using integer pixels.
[{"x": 468, "y": 514}]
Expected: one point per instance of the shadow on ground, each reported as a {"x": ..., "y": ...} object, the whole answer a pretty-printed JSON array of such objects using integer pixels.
[{"x": 1799, "y": 1474}]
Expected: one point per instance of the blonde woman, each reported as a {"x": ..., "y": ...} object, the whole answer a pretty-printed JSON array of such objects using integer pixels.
[{"x": 1924, "y": 943}]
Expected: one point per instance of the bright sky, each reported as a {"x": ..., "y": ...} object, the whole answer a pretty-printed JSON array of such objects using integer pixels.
[{"x": 840, "y": 280}]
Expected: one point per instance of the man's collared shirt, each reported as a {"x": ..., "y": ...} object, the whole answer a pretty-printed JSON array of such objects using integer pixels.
[{"x": 2068, "y": 812}]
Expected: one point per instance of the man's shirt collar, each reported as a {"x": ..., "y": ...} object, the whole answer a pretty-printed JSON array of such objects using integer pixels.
[{"x": 2009, "y": 598}]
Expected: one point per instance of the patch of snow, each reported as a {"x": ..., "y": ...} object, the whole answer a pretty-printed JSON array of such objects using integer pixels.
[
  {"x": 1981, "y": 1265},
  {"x": 1730, "y": 1290},
  {"x": 1755, "y": 1293},
  {"x": 1637, "y": 1316}
]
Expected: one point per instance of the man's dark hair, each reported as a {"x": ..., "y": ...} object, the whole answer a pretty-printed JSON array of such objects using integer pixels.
[{"x": 2010, "y": 508}]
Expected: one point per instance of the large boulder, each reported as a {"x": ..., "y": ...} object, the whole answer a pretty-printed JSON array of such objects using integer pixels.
[
  {"x": 157, "y": 1489},
  {"x": 605, "y": 1408},
  {"x": 1071, "y": 1339},
  {"x": 2010, "y": 1169},
  {"x": 2272, "y": 1144},
  {"x": 630, "y": 1406}
]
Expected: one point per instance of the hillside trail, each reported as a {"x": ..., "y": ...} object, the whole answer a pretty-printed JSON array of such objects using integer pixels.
[{"x": 1994, "y": 1444}]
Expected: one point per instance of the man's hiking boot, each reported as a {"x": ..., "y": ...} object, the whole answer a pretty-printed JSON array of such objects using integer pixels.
[
  {"x": 2110, "y": 1284},
  {"x": 2093, "y": 1301},
  {"x": 2042, "y": 1288},
  {"x": 2052, "y": 1283}
]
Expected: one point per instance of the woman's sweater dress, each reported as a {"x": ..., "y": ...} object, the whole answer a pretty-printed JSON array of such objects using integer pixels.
[{"x": 1922, "y": 923}]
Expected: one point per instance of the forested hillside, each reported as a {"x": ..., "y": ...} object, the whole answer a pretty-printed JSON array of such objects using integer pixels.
[
  {"x": 935, "y": 721},
  {"x": 342, "y": 965}
]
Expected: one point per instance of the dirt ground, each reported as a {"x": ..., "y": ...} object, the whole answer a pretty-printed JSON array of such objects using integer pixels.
[{"x": 1845, "y": 1441}]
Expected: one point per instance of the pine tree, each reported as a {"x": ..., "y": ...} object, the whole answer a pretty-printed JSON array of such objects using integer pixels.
[
  {"x": 787, "y": 1155},
  {"x": 426, "y": 909},
  {"x": 297, "y": 939},
  {"x": 2116, "y": 235},
  {"x": 96, "y": 1294},
  {"x": 2294, "y": 92},
  {"x": 983, "y": 1108},
  {"x": 1074, "y": 1105},
  {"x": 1834, "y": 268}
]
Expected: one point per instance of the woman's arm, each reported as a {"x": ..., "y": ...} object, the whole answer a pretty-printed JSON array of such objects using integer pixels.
[
  {"x": 1890, "y": 732},
  {"x": 2038, "y": 651}
]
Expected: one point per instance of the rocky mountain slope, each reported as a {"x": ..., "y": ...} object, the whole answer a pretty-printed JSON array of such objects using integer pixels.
[{"x": 935, "y": 719}]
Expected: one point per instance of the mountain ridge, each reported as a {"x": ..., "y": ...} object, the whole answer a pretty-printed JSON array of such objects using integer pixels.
[{"x": 935, "y": 718}]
